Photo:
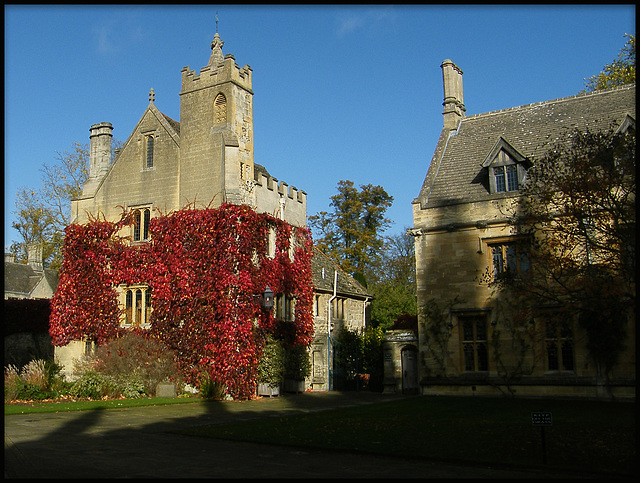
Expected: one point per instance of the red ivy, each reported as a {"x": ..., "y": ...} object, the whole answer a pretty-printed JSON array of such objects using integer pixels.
[{"x": 204, "y": 268}]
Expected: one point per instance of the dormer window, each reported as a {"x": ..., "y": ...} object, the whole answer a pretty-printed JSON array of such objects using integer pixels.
[
  {"x": 505, "y": 176},
  {"x": 506, "y": 167}
]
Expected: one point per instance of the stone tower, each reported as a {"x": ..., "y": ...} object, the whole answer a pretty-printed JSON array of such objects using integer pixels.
[{"x": 216, "y": 131}]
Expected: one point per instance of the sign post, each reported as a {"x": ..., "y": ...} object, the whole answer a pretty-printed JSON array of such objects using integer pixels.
[{"x": 542, "y": 419}]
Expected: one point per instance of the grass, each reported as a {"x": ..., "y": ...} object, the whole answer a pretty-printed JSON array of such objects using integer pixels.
[
  {"x": 85, "y": 405},
  {"x": 586, "y": 436}
]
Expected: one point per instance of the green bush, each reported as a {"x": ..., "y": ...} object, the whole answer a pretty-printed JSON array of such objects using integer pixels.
[
  {"x": 92, "y": 385},
  {"x": 272, "y": 363},
  {"x": 131, "y": 387},
  {"x": 297, "y": 363}
]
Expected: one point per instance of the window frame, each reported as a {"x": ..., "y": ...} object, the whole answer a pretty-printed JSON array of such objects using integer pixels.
[
  {"x": 141, "y": 221},
  {"x": 149, "y": 151},
  {"x": 500, "y": 158},
  {"x": 477, "y": 346},
  {"x": 522, "y": 246},
  {"x": 559, "y": 341},
  {"x": 137, "y": 310}
]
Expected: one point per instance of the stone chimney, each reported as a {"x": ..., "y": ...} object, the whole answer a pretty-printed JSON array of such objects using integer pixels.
[
  {"x": 453, "y": 103},
  {"x": 100, "y": 149},
  {"x": 34, "y": 256},
  {"x": 9, "y": 258}
]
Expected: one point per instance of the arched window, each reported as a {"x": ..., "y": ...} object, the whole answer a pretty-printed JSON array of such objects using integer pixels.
[
  {"x": 137, "y": 306},
  {"x": 141, "y": 219},
  {"x": 149, "y": 148},
  {"x": 220, "y": 109}
]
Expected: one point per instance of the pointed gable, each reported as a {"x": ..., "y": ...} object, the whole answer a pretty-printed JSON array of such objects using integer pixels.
[{"x": 456, "y": 173}]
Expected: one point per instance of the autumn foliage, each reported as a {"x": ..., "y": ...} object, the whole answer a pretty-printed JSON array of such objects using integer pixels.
[{"x": 204, "y": 269}]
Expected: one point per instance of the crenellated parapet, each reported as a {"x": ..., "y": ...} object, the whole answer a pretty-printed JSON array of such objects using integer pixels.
[
  {"x": 210, "y": 75},
  {"x": 281, "y": 200}
]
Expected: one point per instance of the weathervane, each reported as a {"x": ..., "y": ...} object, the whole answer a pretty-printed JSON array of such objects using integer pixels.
[{"x": 216, "y": 22}]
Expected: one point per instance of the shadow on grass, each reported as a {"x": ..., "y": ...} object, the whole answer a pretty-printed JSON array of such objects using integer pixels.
[{"x": 370, "y": 435}]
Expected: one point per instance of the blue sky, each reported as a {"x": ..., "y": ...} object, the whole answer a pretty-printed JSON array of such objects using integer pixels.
[{"x": 341, "y": 92}]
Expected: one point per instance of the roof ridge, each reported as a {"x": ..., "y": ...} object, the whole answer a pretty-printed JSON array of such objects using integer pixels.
[{"x": 552, "y": 101}]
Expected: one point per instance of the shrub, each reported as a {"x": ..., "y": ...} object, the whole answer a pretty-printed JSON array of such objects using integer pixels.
[
  {"x": 271, "y": 366},
  {"x": 92, "y": 385},
  {"x": 131, "y": 386},
  {"x": 140, "y": 359},
  {"x": 297, "y": 363},
  {"x": 209, "y": 388},
  {"x": 36, "y": 381},
  {"x": 11, "y": 382}
]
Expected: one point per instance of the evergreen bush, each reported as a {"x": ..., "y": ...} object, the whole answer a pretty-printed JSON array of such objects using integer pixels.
[{"x": 272, "y": 364}]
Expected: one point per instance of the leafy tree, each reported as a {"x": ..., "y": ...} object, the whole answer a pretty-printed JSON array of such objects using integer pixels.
[
  {"x": 393, "y": 281},
  {"x": 42, "y": 215},
  {"x": 352, "y": 234},
  {"x": 578, "y": 208},
  {"x": 620, "y": 72}
]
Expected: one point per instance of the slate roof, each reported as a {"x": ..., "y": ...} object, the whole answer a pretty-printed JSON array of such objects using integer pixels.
[
  {"x": 21, "y": 279},
  {"x": 174, "y": 124},
  {"x": 347, "y": 285},
  {"x": 455, "y": 174}
]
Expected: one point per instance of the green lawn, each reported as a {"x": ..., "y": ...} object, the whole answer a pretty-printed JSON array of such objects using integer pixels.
[
  {"x": 64, "y": 406},
  {"x": 588, "y": 436}
]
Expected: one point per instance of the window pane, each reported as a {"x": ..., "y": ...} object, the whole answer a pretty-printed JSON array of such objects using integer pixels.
[
  {"x": 552, "y": 356},
  {"x": 136, "y": 225},
  {"x": 147, "y": 215},
  {"x": 512, "y": 177},
  {"x": 511, "y": 259},
  {"x": 138, "y": 306},
  {"x": 500, "y": 180},
  {"x": 469, "y": 363},
  {"x": 129, "y": 307},
  {"x": 150, "y": 152},
  {"x": 483, "y": 358},
  {"x": 467, "y": 330},
  {"x": 498, "y": 260}
]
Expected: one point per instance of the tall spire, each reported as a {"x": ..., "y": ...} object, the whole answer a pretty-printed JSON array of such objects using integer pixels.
[{"x": 216, "y": 51}]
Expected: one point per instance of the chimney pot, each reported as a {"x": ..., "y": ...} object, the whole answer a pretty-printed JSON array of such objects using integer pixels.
[{"x": 453, "y": 103}]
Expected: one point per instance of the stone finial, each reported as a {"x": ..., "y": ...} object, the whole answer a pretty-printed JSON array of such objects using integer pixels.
[
  {"x": 152, "y": 96},
  {"x": 216, "y": 51}
]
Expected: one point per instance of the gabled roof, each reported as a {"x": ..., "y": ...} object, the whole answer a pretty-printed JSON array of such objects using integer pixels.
[
  {"x": 324, "y": 268},
  {"x": 503, "y": 145},
  {"x": 21, "y": 280},
  {"x": 456, "y": 174}
]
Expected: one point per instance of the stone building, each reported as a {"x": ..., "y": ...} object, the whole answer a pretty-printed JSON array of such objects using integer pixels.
[
  {"x": 479, "y": 162},
  {"x": 340, "y": 303},
  {"x": 30, "y": 280},
  {"x": 27, "y": 291},
  {"x": 204, "y": 160}
]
